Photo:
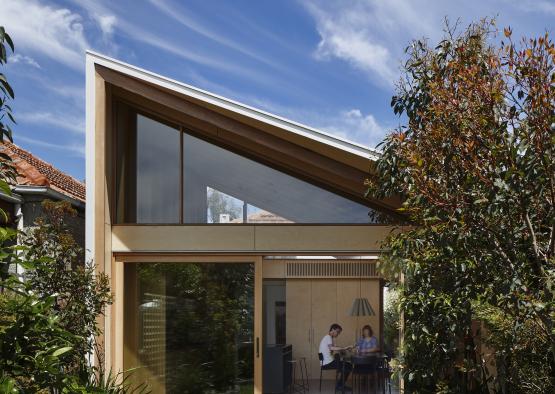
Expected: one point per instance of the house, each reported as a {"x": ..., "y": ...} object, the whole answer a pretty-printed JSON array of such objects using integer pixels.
[
  {"x": 37, "y": 181},
  {"x": 233, "y": 238}
]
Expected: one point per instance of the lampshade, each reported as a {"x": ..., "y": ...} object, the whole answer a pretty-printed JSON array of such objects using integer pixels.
[{"x": 361, "y": 307}]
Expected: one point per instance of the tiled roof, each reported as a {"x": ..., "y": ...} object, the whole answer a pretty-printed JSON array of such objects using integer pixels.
[{"x": 33, "y": 171}]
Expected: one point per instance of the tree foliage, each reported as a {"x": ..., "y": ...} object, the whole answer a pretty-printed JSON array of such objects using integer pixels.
[
  {"x": 475, "y": 166},
  {"x": 80, "y": 294},
  {"x": 48, "y": 320},
  {"x": 7, "y": 169}
]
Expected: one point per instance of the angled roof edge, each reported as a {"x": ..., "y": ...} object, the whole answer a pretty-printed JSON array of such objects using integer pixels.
[{"x": 234, "y": 106}]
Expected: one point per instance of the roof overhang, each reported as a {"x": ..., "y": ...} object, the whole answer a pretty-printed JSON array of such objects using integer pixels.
[
  {"x": 46, "y": 192},
  {"x": 235, "y": 109}
]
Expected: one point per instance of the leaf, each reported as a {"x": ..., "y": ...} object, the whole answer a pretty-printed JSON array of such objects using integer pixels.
[
  {"x": 61, "y": 351},
  {"x": 9, "y": 41},
  {"x": 5, "y": 188},
  {"x": 7, "y": 86},
  {"x": 10, "y": 116}
]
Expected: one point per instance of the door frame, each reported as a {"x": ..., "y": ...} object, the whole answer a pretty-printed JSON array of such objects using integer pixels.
[{"x": 117, "y": 347}]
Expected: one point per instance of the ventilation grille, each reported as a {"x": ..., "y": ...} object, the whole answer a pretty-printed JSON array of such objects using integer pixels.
[{"x": 331, "y": 269}]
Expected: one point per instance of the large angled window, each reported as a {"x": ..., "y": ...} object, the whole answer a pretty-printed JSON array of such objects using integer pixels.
[
  {"x": 166, "y": 175},
  {"x": 241, "y": 190}
]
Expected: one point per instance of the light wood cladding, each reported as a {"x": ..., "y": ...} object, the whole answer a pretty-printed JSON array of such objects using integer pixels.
[{"x": 259, "y": 239}]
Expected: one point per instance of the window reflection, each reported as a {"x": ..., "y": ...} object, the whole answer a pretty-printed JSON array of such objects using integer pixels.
[
  {"x": 252, "y": 192},
  {"x": 164, "y": 175},
  {"x": 223, "y": 208},
  {"x": 157, "y": 172},
  {"x": 190, "y": 326},
  {"x": 147, "y": 170}
]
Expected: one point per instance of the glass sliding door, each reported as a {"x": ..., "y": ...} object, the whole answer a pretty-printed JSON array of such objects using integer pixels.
[{"x": 189, "y": 327}]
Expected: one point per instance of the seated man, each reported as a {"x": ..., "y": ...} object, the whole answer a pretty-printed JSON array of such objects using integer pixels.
[{"x": 327, "y": 347}]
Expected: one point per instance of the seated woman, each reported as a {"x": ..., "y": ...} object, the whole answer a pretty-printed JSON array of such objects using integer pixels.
[{"x": 368, "y": 342}]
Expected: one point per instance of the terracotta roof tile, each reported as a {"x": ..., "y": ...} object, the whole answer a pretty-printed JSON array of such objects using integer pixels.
[
  {"x": 263, "y": 217},
  {"x": 33, "y": 171}
]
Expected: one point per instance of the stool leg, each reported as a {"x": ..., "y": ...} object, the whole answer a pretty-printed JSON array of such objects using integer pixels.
[
  {"x": 304, "y": 382},
  {"x": 293, "y": 378},
  {"x": 307, "y": 380}
]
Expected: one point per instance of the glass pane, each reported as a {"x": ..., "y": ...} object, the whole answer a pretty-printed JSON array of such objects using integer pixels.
[
  {"x": 297, "y": 315},
  {"x": 270, "y": 196},
  {"x": 190, "y": 327},
  {"x": 157, "y": 172},
  {"x": 147, "y": 170}
]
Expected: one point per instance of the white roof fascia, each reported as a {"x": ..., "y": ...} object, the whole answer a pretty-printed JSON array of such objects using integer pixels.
[
  {"x": 48, "y": 192},
  {"x": 234, "y": 106}
]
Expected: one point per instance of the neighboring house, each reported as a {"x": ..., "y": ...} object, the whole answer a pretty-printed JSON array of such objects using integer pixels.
[
  {"x": 37, "y": 181},
  {"x": 261, "y": 217},
  {"x": 233, "y": 237}
]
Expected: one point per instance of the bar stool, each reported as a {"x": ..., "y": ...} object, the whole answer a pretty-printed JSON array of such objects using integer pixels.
[{"x": 299, "y": 386}]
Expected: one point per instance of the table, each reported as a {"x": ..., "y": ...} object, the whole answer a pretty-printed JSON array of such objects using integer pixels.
[{"x": 355, "y": 359}]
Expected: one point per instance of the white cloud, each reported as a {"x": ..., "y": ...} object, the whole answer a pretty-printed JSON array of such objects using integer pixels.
[
  {"x": 74, "y": 124},
  {"x": 73, "y": 92},
  {"x": 346, "y": 33},
  {"x": 371, "y": 34},
  {"x": 540, "y": 6},
  {"x": 106, "y": 23},
  {"x": 54, "y": 32},
  {"x": 342, "y": 36},
  {"x": 75, "y": 149},
  {"x": 219, "y": 63},
  {"x": 19, "y": 58},
  {"x": 352, "y": 124},
  {"x": 194, "y": 24}
]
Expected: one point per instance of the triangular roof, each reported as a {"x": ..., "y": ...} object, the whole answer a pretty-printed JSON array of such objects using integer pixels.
[
  {"x": 33, "y": 171},
  {"x": 304, "y": 151}
]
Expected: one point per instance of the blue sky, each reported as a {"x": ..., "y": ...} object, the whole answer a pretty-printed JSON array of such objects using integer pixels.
[{"x": 327, "y": 64}]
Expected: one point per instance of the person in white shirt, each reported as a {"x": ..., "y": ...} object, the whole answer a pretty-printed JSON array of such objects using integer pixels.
[{"x": 327, "y": 347}]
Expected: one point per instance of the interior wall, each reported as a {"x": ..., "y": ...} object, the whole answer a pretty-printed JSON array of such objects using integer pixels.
[{"x": 314, "y": 304}]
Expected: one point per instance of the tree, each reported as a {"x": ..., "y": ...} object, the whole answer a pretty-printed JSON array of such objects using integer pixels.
[
  {"x": 475, "y": 165},
  {"x": 220, "y": 203},
  {"x": 48, "y": 320},
  {"x": 80, "y": 294},
  {"x": 7, "y": 169}
]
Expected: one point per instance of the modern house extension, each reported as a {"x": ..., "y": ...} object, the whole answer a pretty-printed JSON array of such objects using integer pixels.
[{"x": 233, "y": 238}]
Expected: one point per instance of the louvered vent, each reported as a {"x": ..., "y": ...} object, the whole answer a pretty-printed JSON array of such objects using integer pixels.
[{"x": 331, "y": 269}]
